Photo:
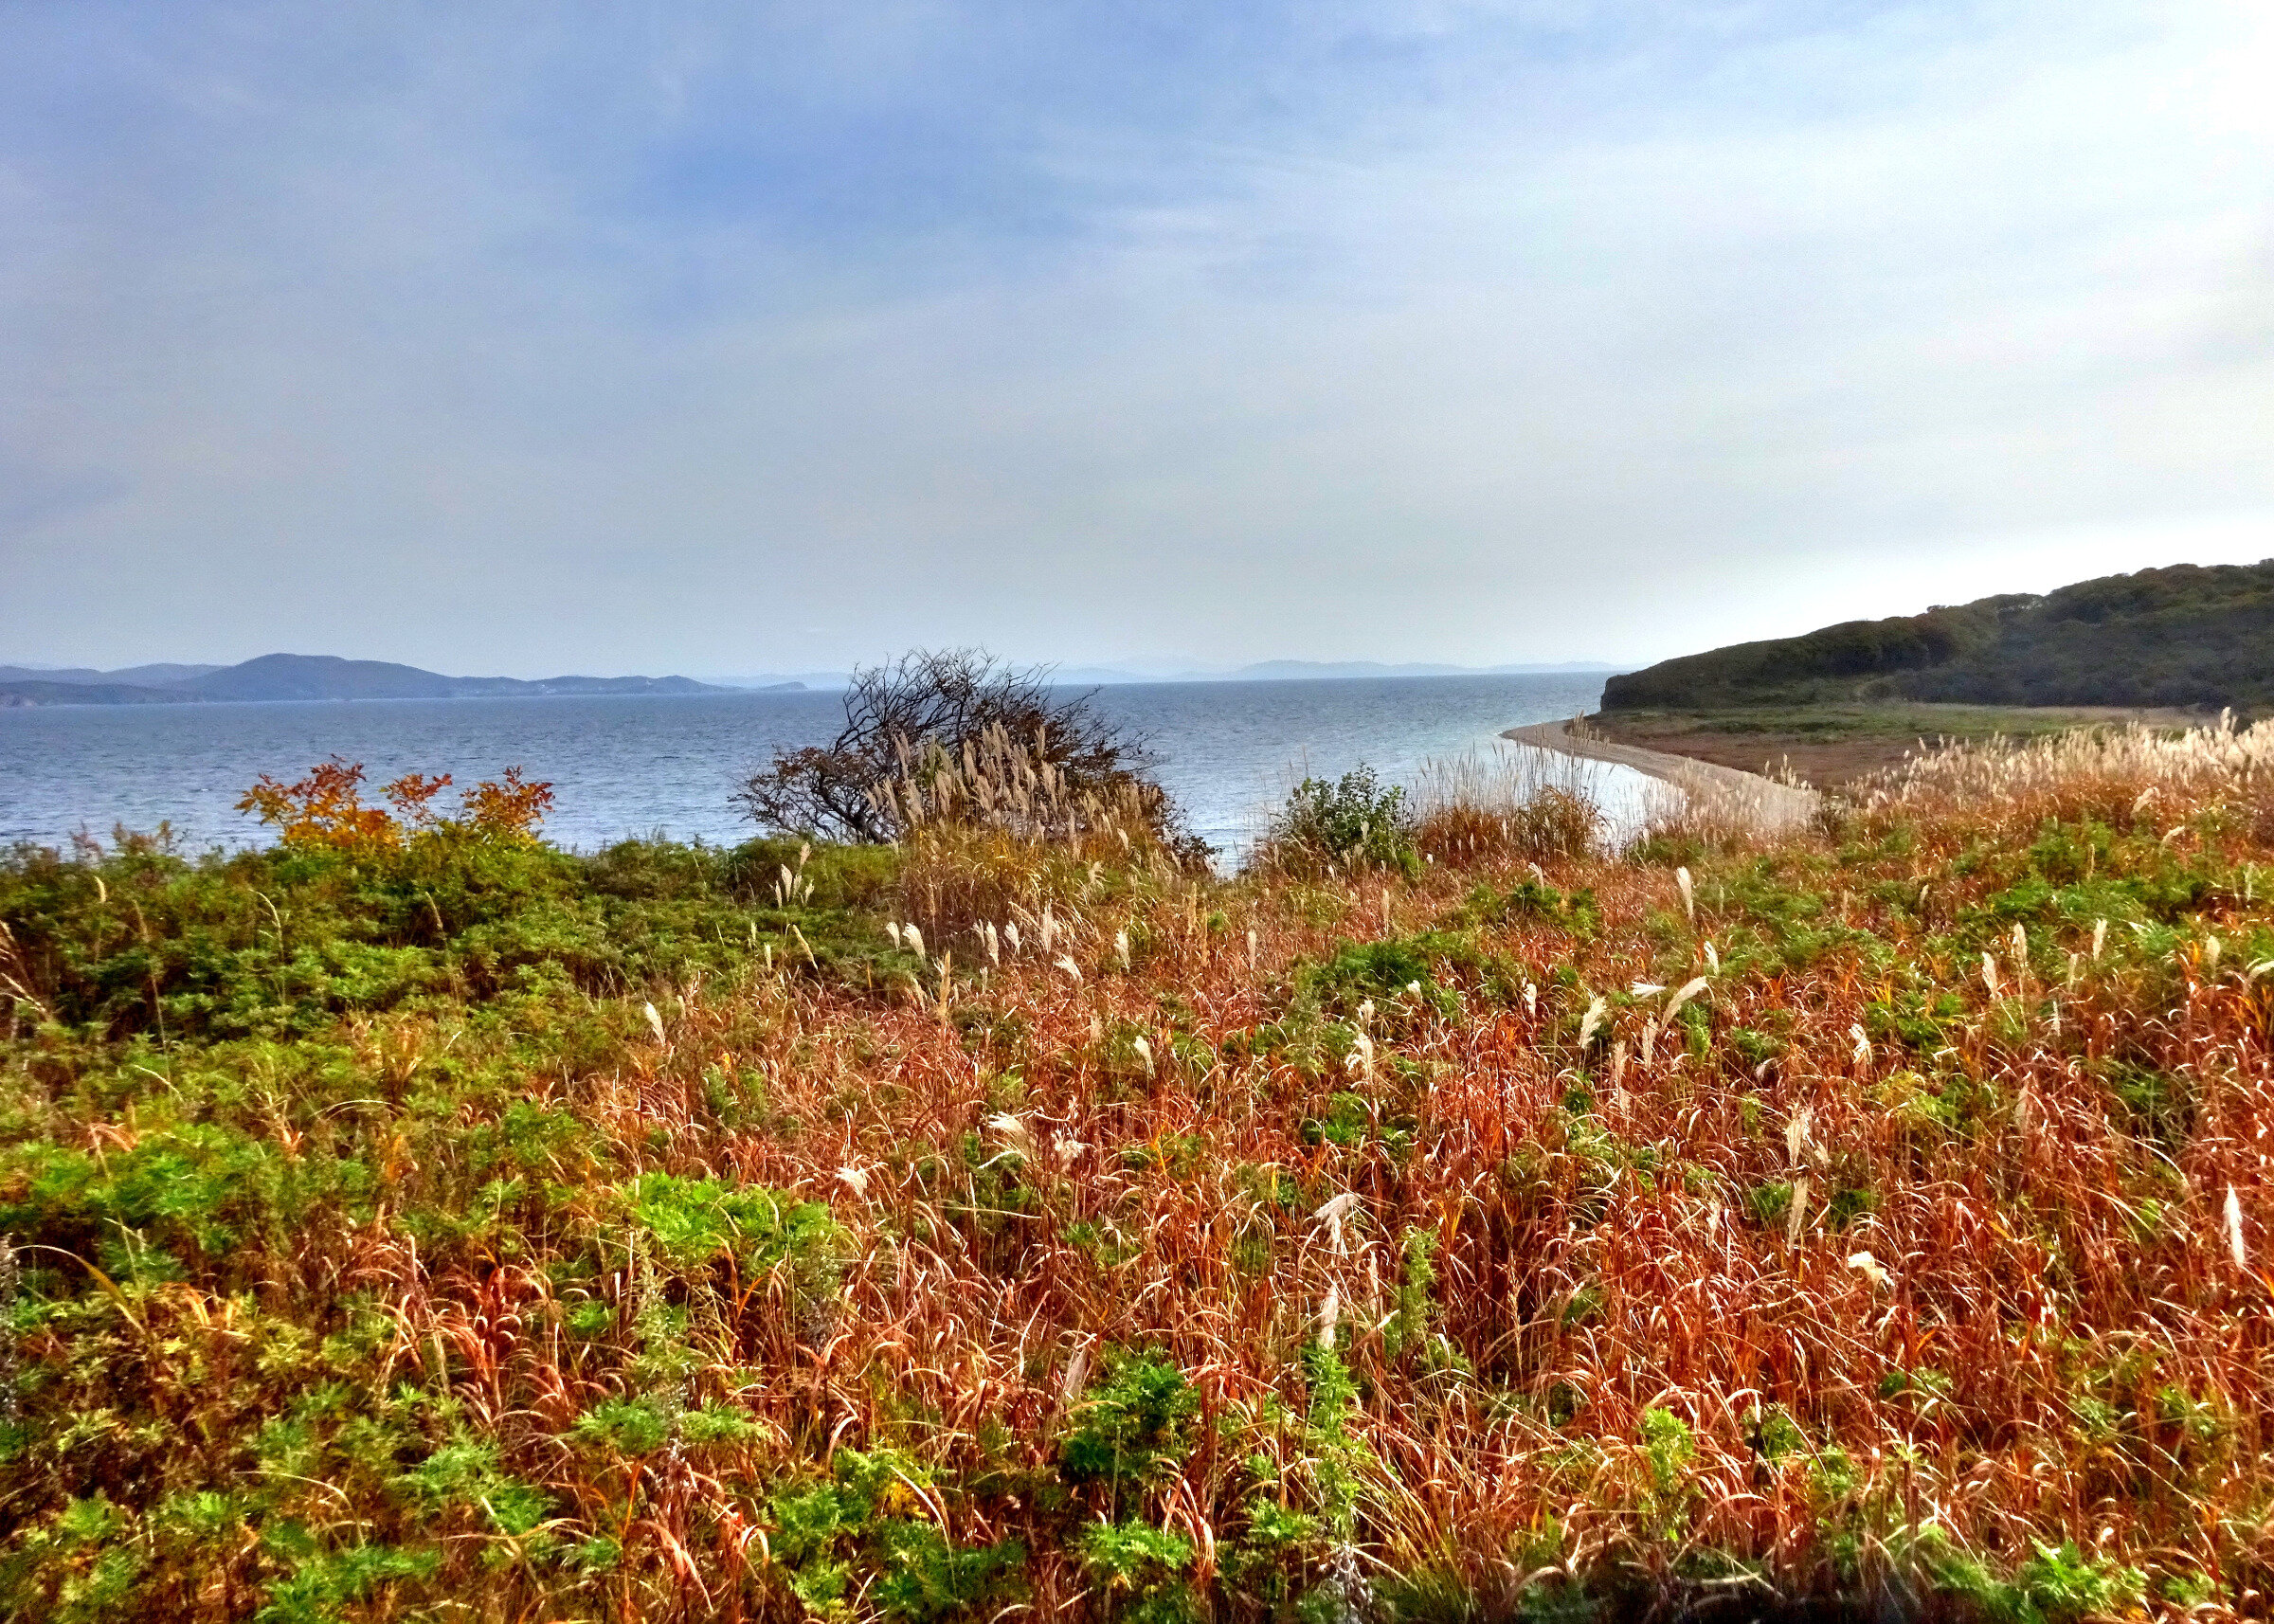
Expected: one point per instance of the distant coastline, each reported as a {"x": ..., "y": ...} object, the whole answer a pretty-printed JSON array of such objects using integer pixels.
[{"x": 273, "y": 678}]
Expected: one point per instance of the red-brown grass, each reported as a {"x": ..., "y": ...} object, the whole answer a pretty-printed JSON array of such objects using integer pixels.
[{"x": 2009, "y": 1317}]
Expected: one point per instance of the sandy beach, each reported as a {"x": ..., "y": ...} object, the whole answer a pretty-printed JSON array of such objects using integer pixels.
[{"x": 1726, "y": 790}]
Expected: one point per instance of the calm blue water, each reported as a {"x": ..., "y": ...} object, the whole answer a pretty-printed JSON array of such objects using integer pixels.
[{"x": 636, "y": 764}]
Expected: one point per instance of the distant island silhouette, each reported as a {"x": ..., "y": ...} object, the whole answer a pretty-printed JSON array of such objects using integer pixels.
[{"x": 273, "y": 676}]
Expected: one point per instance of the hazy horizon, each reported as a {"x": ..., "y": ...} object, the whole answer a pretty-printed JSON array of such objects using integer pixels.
[
  {"x": 1138, "y": 671},
  {"x": 783, "y": 338}
]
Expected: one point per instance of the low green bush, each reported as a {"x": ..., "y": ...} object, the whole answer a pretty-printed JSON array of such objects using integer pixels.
[
  {"x": 1355, "y": 823},
  {"x": 140, "y": 939}
]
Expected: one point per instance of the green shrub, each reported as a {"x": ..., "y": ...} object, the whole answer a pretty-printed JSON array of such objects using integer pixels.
[
  {"x": 1670, "y": 1447},
  {"x": 1402, "y": 974},
  {"x": 2058, "y": 1584},
  {"x": 856, "y": 1523},
  {"x": 626, "y": 1426},
  {"x": 281, "y": 942},
  {"x": 323, "y": 1582},
  {"x": 1135, "y": 1426},
  {"x": 1141, "y": 1569},
  {"x": 183, "y": 1196},
  {"x": 465, "y": 1475},
  {"x": 1352, "y": 824},
  {"x": 1536, "y": 900},
  {"x": 695, "y": 1221}
]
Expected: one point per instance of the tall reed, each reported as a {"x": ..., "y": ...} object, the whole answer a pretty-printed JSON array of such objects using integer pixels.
[
  {"x": 1508, "y": 801},
  {"x": 1879, "y": 1220}
]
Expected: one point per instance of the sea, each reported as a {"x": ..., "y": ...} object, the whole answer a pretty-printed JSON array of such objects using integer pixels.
[{"x": 625, "y": 765}]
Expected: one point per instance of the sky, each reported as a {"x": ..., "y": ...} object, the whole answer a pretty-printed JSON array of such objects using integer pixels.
[{"x": 720, "y": 339}]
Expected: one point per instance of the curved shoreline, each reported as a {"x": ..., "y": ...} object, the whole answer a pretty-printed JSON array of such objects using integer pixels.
[{"x": 1708, "y": 786}]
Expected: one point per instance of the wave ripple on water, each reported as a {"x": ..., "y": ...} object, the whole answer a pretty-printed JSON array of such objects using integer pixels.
[{"x": 639, "y": 763}]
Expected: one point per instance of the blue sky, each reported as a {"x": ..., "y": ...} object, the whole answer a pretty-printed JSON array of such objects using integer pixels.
[{"x": 766, "y": 337}]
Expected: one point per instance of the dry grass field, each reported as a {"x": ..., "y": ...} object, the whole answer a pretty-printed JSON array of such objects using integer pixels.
[
  {"x": 1843, "y": 747},
  {"x": 1442, "y": 1218}
]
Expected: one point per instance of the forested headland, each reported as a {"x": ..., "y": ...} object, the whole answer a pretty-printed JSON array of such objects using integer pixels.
[{"x": 2188, "y": 636}]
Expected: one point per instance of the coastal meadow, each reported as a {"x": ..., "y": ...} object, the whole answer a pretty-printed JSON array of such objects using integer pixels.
[{"x": 1457, "y": 1213}]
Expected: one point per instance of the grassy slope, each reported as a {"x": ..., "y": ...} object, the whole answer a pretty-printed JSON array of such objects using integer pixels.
[{"x": 1285, "y": 1219}]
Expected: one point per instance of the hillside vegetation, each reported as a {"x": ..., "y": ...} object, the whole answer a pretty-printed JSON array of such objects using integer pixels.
[
  {"x": 2186, "y": 636},
  {"x": 1442, "y": 1218}
]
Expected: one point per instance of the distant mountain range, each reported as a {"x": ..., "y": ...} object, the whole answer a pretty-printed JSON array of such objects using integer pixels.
[
  {"x": 133, "y": 675},
  {"x": 299, "y": 676},
  {"x": 1315, "y": 670},
  {"x": 2189, "y": 635},
  {"x": 310, "y": 677},
  {"x": 1263, "y": 671}
]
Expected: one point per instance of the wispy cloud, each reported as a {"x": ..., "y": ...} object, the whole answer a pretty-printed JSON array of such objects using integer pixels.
[{"x": 1472, "y": 332}]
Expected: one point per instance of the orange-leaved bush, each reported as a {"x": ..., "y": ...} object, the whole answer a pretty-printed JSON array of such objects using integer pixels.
[{"x": 325, "y": 810}]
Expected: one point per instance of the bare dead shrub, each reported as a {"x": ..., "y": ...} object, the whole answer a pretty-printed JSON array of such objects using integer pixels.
[{"x": 955, "y": 736}]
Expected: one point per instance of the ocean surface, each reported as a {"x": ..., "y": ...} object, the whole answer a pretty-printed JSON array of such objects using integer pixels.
[{"x": 634, "y": 764}]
